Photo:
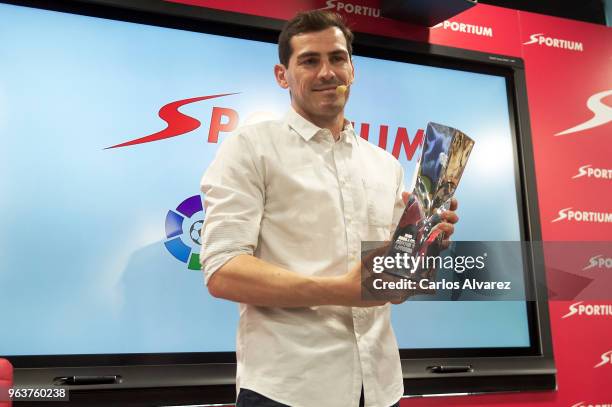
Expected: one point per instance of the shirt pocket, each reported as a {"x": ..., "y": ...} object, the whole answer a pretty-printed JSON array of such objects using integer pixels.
[{"x": 380, "y": 200}]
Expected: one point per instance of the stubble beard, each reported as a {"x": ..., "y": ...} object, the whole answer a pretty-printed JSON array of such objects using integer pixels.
[{"x": 328, "y": 111}]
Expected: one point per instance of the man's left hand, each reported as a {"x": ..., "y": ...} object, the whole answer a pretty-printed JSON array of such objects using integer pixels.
[{"x": 449, "y": 218}]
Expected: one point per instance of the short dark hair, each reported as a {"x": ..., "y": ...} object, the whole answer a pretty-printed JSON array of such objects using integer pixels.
[{"x": 310, "y": 21}]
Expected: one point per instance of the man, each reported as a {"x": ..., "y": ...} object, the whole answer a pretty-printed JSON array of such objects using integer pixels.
[{"x": 287, "y": 206}]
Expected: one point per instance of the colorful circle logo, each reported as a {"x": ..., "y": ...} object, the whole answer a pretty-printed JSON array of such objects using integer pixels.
[{"x": 191, "y": 213}]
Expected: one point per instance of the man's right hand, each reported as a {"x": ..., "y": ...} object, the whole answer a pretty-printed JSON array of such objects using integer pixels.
[
  {"x": 360, "y": 291},
  {"x": 352, "y": 284}
]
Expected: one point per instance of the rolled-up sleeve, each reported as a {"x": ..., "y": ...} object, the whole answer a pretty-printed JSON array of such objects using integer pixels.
[{"x": 233, "y": 188}]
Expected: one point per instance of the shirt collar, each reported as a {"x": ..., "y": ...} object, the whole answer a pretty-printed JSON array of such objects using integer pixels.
[{"x": 308, "y": 130}]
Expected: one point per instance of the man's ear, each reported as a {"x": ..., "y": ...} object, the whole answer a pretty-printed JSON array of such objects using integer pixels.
[{"x": 280, "y": 73}]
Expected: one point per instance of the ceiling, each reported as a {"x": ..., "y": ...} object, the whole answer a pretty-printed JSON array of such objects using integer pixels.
[{"x": 592, "y": 11}]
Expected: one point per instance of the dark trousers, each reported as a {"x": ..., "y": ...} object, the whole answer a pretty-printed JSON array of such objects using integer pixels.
[{"x": 248, "y": 398}]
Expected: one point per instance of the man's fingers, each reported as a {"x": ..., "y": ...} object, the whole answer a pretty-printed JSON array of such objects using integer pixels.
[
  {"x": 450, "y": 217},
  {"x": 406, "y": 197},
  {"x": 445, "y": 244},
  {"x": 454, "y": 204},
  {"x": 447, "y": 228}
]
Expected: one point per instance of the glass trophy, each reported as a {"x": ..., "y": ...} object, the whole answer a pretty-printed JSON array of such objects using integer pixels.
[{"x": 443, "y": 158}]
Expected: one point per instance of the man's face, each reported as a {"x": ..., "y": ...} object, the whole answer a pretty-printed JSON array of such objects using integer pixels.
[{"x": 319, "y": 63}]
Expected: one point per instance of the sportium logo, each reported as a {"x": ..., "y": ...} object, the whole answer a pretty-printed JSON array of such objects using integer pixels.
[
  {"x": 606, "y": 359},
  {"x": 602, "y": 113},
  {"x": 590, "y": 172},
  {"x": 542, "y": 39},
  {"x": 585, "y": 404},
  {"x": 589, "y": 310},
  {"x": 599, "y": 262},
  {"x": 351, "y": 8},
  {"x": 583, "y": 216},
  {"x": 222, "y": 120},
  {"x": 225, "y": 120},
  {"x": 465, "y": 28}
]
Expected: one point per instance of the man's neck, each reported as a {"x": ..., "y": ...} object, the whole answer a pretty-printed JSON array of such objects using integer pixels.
[{"x": 335, "y": 124}]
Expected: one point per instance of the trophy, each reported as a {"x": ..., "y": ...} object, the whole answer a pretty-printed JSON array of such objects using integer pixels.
[{"x": 444, "y": 156}]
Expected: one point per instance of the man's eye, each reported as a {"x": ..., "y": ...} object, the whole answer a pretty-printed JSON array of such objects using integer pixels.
[{"x": 309, "y": 61}]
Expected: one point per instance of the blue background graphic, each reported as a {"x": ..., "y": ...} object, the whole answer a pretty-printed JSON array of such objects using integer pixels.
[{"x": 82, "y": 255}]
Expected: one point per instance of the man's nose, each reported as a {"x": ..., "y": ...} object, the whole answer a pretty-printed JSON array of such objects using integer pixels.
[{"x": 326, "y": 72}]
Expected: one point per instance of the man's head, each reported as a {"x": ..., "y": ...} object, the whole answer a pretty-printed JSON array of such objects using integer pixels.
[
  {"x": 307, "y": 22},
  {"x": 315, "y": 51}
]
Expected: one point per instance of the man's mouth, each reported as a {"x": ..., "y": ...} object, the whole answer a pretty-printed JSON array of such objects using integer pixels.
[
  {"x": 326, "y": 91},
  {"x": 327, "y": 88}
]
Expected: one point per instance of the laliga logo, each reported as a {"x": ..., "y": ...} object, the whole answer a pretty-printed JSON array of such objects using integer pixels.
[
  {"x": 465, "y": 28},
  {"x": 602, "y": 114},
  {"x": 589, "y": 310},
  {"x": 606, "y": 359},
  {"x": 593, "y": 172},
  {"x": 540, "y": 39},
  {"x": 583, "y": 216},
  {"x": 599, "y": 261},
  {"x": 185, "y": 246}
]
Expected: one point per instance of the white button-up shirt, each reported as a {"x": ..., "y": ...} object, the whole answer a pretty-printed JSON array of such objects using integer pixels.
[{"x": 288, "y": 193}]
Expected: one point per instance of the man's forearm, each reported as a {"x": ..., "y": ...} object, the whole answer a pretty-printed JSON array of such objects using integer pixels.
[{"x": 249, "y": 280}]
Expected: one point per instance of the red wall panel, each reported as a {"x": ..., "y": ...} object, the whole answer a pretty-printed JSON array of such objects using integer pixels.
[{"x": 560, "y": 82}]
